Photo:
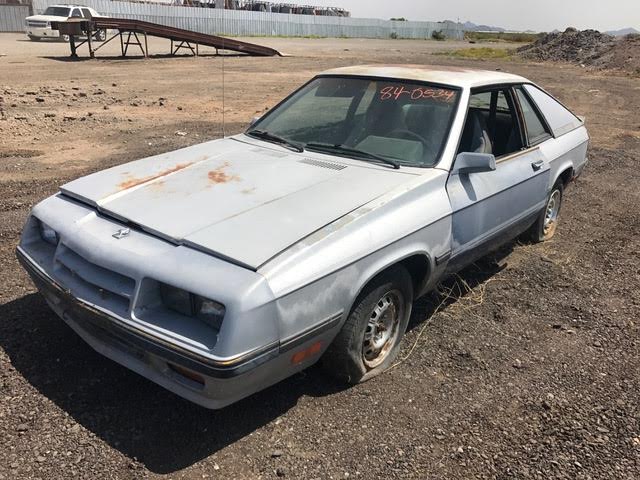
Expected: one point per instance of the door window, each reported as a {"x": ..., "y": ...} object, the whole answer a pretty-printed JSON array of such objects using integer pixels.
[
  {"x": 536, "y": 130},
  {"x": 492, "y": 124},
  {"x": 76, "y": 13}
]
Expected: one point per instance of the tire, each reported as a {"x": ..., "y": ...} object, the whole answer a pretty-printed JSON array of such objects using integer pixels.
[
  {"x": 34, "y": 39},
  {"x": 64, "y": 38},
  {"x": 370, "y": 339},
  {"x": 547, "y": 222},
  {"x": 101, "y": 35}
]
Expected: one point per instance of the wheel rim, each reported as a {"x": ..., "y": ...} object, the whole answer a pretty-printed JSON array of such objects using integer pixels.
[
  {"x": 551, "y": 213},
  {"x": 382, "y": 329}
]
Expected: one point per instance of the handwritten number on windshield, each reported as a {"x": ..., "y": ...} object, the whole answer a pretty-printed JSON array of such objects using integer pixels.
[{"x": 418, "y": 93}]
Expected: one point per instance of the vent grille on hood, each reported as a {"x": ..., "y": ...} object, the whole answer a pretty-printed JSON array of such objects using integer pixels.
[{"x": 321, "y": 164}]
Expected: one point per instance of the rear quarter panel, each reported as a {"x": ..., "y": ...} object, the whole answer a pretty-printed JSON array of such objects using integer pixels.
[{"x": 568, "y": 151}]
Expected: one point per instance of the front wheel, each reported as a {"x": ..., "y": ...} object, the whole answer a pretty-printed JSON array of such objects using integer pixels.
[
  {"x": 370, "y": 338},
  {"x": 101, "y": 35},
  {"x": 547, "y": 222},
  {"x": 34, "y": 38}
]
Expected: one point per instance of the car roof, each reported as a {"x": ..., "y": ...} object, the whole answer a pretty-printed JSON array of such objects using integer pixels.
[
  {"x": 446, "y": 75},
  {"x": 70, "y": 6}
]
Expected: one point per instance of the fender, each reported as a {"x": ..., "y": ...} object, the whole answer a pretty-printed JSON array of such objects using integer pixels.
[
  {"x": 564, "y": 166},
  {"x": 390, "y": 259}
]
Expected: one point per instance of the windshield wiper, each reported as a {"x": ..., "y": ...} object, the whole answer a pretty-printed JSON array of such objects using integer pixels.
[
  {"x": 326, "y": 147},
  {"x": 270, "y": 137}
]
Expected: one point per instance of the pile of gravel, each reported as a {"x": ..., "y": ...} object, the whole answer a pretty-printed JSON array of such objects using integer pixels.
[
  {"x": 575, "y": 46},
  {"x": 587, "y": 48},
  {"x": 624, "y": 55}
]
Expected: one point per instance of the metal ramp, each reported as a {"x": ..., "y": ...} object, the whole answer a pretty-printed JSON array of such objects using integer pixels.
[{"x": 130, "y": 30}]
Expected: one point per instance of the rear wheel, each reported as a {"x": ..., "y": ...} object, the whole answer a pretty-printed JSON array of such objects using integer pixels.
[
  {"x": 547, "y": 222},
  {"x": 370, "y": 338}
]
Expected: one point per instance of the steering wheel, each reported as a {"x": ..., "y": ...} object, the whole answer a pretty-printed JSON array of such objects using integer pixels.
[{"x": 409, "y": 135}]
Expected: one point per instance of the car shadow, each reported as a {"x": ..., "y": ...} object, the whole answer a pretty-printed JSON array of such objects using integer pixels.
[
  {"x": 141, "y": 419},
  {"x": 132, "y": 414},
  {"x": 43, "y": 41}
]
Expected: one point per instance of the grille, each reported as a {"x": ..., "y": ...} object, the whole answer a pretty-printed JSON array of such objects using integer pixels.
[
  {"x": 36, "y": 23},
  {"x": 93, "y": 283},
  {"x": 321, "y": 164}
]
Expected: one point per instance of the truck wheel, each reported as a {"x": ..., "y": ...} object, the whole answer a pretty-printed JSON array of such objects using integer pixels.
[
  {"x": 34, "y": 39},
  {"x": 101, "y": 35},
  {"x": 547, "y": 222},
  {"x": 65, "y": 38},
  {"x": 370, "y": 338}
]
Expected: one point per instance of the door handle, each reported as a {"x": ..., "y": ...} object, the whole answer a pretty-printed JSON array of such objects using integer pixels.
[{"x": 537, "y": 165}]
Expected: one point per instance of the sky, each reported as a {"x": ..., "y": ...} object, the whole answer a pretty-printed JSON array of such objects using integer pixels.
[{"x": 538, "y": 15}]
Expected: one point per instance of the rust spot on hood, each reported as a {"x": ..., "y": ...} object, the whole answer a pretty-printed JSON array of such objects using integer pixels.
[
  {"x": 134, "y": 182},
  {"x": 218, "y": 175}
]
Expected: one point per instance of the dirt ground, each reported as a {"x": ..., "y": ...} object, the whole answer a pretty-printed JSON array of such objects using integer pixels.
[{"x": 525, "y": 365}]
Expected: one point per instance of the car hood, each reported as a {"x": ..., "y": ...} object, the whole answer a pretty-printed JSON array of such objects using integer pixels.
[
  {"x": 238, "y": 200},
  {"x": 47, "y": 18}
]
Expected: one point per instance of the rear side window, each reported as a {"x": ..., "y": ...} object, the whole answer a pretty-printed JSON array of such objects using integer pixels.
[
  {"x": 536, "y": 131},
  {"x": 559, "y": 118},
  {"x": 86, "y": 13}
]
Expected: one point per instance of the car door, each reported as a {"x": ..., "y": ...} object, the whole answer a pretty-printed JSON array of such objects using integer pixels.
[{"x": 491, "y": 207}]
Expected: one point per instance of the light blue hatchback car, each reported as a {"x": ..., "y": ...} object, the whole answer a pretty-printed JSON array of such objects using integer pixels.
[{"x": 222, "y": 268}]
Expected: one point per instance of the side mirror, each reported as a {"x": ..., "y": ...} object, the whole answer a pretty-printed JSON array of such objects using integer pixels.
[{"x": 469, "y": 162}]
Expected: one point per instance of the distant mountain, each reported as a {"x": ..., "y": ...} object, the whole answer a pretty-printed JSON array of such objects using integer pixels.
[
  {"x": 472, "y": 27},
  {"x": 622, "y": 32}
]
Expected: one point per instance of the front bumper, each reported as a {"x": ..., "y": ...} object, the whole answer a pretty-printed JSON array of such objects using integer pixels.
[
  {"x": 223, "y": 382},
  {"x": 42, "y": 32}
]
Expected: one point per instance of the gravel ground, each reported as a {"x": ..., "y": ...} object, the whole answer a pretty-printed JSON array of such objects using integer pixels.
[{"x": 524, "y": 365}]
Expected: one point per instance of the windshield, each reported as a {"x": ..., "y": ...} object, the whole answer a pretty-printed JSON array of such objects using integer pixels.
[
  {"x": 57, "y": 11},
  {"x": 402, "y": 121}
]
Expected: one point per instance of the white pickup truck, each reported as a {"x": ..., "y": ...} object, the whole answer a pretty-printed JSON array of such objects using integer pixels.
[{"x": 38, "y": 27}]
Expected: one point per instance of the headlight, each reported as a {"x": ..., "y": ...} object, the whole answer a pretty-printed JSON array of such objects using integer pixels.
[
  {"x": 48, "y": 234},
  {"x": 191, "y": 305}
]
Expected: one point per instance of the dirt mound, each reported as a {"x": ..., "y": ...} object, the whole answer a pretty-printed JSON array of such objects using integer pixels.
[
  {"x": 624, "y": 55},
  {"x": 586, "y": 47},
  {"x": 572, "y": 45}
]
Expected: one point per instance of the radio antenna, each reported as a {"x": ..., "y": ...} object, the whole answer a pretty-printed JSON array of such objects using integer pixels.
[{"x": 224, "y": 7}]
